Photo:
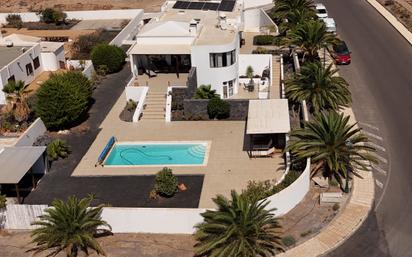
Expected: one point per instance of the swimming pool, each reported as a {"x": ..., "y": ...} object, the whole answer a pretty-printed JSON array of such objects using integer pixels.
[{"x": 157, "y": 154}]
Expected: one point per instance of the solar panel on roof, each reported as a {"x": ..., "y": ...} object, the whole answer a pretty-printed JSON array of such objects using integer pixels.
[
  {"x": 227, "y": 6},
  {"x": 211, "y": 6},
  {"x": 181, "y": 5},
  {"x": 196, "y": 5}
]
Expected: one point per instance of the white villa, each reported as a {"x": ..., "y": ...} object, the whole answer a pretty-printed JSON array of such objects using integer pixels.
[
  {"x": 25, "y": 57},
  {"x": 206, "y": 36}
]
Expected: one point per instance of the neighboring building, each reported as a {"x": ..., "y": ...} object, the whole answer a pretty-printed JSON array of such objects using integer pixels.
[
  {"x": 25, "y": 57},
  {"x": 202, "y": 35}
]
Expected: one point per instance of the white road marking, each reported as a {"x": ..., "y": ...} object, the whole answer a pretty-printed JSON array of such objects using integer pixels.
[
  {"x": 381, "y": 159},
  {"x": 368, "y": 125},
  {"x": 379, "y": 169},
  {"x": 372, "y": 135},
  {"x": 381, "y": 148},
  {"x": 379, "y": 184}
]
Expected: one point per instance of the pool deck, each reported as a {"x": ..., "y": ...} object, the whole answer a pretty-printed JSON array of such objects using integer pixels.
[{"x": 229, "y": 166}]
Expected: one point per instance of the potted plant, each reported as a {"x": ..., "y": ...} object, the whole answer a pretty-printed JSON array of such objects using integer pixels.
[{"x": 250, "y": 75}]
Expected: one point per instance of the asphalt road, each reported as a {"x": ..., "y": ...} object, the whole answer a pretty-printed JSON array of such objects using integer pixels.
[{"x": 381, "y": 83}]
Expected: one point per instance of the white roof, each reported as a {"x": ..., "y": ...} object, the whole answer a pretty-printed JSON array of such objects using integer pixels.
[
  {"x": 160, "y": 49},
  {"x": 268, "y": 116},
  {"x": 18, "y": 161},
  {"x": 165, "y": 29},
  {"x": 329, "y": 22},
  {"x": 50, "y": 46},
  {"x": 20, "y": 40}
]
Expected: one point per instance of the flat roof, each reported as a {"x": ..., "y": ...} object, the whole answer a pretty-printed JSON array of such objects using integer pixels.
[
  {"x": 8, "y": 54},
  {"x": 160, "y": 49},
  {"x": 268, "y": 116},
  {"x": 18, "y": 161},
  {"x": 50, "y": 46}
]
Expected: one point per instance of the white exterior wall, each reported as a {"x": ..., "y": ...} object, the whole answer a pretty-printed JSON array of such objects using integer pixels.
[
  {"x": 128, "y": 32},
  {"x": 258, "y": 62},
  {"x": 82, "y": 15},
  {"x": 254, "y": 19},
  {"x": 256, "y": 3},
  {"x": 49, "y": 61},
  {"x": 36, "y": 129},
  {"x": 215, "y": 76},
  {"x": 165, "y": 41},
  {"x": 18, "y": 68}
]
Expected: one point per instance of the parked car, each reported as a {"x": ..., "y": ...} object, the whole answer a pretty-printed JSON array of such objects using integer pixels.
[
  {"x": 321, "y": 11},
  {"x": 340, "y": 53},
  {"x": 330, "y": 25}
]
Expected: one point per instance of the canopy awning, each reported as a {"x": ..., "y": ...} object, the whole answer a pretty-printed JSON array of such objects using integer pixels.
[
  {"x": 160, "y": 49},
  {"x": 268, "y": 116},
  {"x": 15, "y": 162}
]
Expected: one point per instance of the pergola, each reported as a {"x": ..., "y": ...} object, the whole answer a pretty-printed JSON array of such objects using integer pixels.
[
  {"x": 266, "y": 117},
  {"x": 16, "y": 162}
]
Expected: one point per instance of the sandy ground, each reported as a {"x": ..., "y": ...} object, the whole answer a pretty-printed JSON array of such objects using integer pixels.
[
  {"x": 118, "y": 245},
  {"x": 69, "y": 5}
]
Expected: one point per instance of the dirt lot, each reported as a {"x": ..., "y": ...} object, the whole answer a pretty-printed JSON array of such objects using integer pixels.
[{"x": 69, "y": 5}]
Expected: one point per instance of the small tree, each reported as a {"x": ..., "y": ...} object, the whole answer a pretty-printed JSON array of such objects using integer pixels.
[
  {"x": 50, "y": 15},
  {"x": 205, "y": 92},
  {"x": 113, "y": 57},
  {"x": 14, "y": 20},
  {"x": 218, "y": 109},
  {"x": 3, "y": 201},
  {"x": 63, "y": 99},
  {"x": 166, "y": 183},
  {"x": 57, "y": 149},
  {"x": 17, "y": 100}
]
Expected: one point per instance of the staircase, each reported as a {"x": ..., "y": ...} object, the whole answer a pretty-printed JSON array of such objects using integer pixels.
[
  {"x": 275, "y": 88},
  {"x": 155, "y": 104}
]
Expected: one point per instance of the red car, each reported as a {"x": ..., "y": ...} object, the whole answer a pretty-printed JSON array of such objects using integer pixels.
[{"x": 341, "y": 53}]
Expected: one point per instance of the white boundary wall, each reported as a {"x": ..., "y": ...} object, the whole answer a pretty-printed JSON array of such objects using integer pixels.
[
  {"x": 137, "y": 94},
  {"x": 82, "y": 15},
  {"x": 36, "y": 129},
  {"x": 130, "y": 30},
  {"x": 88, "y": 69}
]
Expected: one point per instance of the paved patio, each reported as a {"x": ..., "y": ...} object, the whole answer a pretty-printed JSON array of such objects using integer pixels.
[{"x": 229, "y": 167}]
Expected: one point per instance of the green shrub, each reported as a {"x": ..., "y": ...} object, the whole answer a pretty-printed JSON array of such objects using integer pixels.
[
  {"x": 205, "y": 92},
  {"x": 131, "y": 105},
  {"x": 165, "y": 183},
  {"x": 50, "y": 15},
  {"x": 306, "y": 233},
  {"x": 288, "y": 241},
  {"x": 219, "y": 109},
  {"x": 3, "y": 201},
  {"x": 57, "y": 149},
  {"x": 263, "y": 40},
  {"x": 260, "y": 50},
  {"x": 111, "y": 56},
  {"x": 257, "y": 190},
  {"x": 336, "y": 207},
  {"x": 14, "y": 20},
  {"x": 63, "y": 99}
]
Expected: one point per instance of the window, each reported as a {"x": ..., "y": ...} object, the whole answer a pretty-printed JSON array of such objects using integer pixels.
[
  {"x": 29, "y": 69},
  {"x": 218, "y": 60},
  {"x": 36, "y": 63}
]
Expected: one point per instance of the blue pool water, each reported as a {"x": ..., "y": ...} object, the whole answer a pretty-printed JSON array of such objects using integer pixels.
[{"x": 156, "y": 154}]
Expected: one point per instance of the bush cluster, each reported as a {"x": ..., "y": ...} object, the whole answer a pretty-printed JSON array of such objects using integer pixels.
[
  {"x": 263, "y": 40},
  {"x": 218, "y": 109},
  {"x": 14, "y": 20},
  {"x": 50, "y": 15},
  {"x": 63, "y": 99},
  {"x": 260, "y": 190},
  {"x": 166, "y": 183},
  {"x": 109, "y": 57}
]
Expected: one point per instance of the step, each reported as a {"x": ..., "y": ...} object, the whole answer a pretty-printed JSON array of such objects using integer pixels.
[{"x": 153, "y": 117}]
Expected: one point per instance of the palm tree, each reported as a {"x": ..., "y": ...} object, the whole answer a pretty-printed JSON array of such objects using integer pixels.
[
  {"x": 319, "y": 87},
  {"x": 290, "y": 13},
  {"x": 239, "y": 227},
  {"x": 335, "y": 147},
  {"x": 205, "y": 92},
  {"x": 17, "y": 100},
  {"x": 70, "y": 226},
  {"x": 57, "y": 149},
  {"x": 309, "y": 37}
]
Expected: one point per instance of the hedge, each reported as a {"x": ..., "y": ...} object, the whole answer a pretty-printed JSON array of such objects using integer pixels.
[{"x": 110, "y": 56}]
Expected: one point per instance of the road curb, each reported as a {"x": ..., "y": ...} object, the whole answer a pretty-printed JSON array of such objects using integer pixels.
[{"x": 392, "y": 20}]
